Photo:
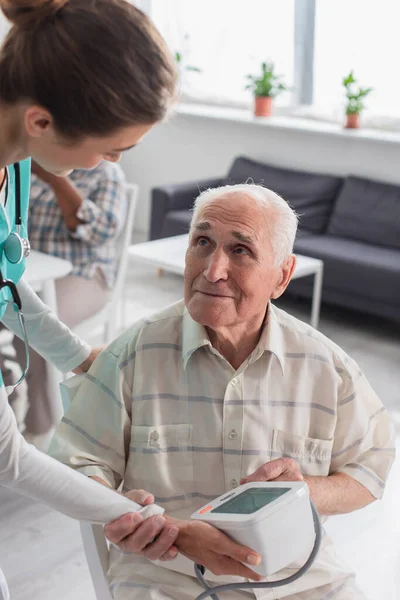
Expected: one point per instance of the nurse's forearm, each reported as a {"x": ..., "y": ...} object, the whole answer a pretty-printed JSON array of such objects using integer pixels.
[
  {"x": 35, "y": 475},
  {"x": 69, "y": 201},
  {"x": 338, "y": 494},
  {"x": 145, "y": 499},
  {"x": 46, "y": 334}
]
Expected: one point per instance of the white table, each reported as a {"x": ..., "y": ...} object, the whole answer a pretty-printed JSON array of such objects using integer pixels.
[
  {"x": 42, "y": 271},
  {"x": 168, "y": 254}
]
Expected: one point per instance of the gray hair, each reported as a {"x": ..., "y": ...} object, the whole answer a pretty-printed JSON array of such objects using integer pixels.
[{"x": 283, "y": 227}]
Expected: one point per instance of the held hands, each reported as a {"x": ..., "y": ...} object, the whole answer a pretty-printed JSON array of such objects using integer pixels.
[
  {"x": 153, "y": 538},
  {"x": 281, "y": 469},
  {"x": 160, "y": 538}
]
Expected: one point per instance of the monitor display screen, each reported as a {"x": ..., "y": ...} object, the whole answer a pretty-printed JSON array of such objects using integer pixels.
[{"x": 251, "y": 500}]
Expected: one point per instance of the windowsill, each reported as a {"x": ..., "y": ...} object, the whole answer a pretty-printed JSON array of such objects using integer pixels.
[{"x": 240, "y": 115}]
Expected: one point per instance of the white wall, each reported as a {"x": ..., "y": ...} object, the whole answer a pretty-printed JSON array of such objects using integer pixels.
[{"x": 193, "y": 147}]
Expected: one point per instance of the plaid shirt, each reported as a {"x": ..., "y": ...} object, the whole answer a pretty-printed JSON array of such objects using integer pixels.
[{"x": 93, "y": 244}]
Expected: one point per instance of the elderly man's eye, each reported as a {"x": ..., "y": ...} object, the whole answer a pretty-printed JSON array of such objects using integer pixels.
[
  {"x": 202, "y": 241},
  {"x": 241, "y": 250}
]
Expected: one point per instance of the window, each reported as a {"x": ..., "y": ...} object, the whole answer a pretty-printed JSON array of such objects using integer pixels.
[
  {"x": 313, "y": 43},
  {"x": 227, "y": 40},
  {"x": 362, "y": 35}
]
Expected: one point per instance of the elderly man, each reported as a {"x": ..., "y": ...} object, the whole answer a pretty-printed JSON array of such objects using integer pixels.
[{"x": 225, "y": 388}]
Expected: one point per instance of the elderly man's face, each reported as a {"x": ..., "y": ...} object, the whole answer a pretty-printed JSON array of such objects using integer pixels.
[{"x": 230, "y": 274}]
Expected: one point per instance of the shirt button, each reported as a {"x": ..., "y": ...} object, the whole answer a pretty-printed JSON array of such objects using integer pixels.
[
  {"x": 154, "y": 436},
  {"x": 234, "y": 483},
  {"x": 234, "y": 381},
  {"x": 232, "y": 435}
]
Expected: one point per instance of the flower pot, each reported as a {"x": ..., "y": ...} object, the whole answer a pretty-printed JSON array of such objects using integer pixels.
[
  {"x": 352, "y": 121},
  {"x": 262, "y": 106}
]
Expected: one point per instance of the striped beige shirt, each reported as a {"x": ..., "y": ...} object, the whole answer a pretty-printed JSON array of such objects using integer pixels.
[{"x": 162, "y": 410}]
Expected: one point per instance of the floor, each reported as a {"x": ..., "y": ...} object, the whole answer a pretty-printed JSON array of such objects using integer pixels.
[{"x": 41, "y": 552}]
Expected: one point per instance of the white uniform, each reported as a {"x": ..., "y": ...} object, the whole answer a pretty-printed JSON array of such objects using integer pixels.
[
  {"x": 162, "y": 410},
  {"x": 4, "y": 593}
]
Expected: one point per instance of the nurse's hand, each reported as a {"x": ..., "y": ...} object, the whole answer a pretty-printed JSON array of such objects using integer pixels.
[
  {"x": 211, "y": 548},
  {"x": 85, "y": 366},
  {"x": 153, "y": 538}
]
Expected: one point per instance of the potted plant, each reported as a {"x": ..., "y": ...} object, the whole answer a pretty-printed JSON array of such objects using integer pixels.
[
  {"x": 184, "y": 69},
  {"x": 355, "y": 100},
  {"x": 182, "y": 66},
  {"x": 265, "y": 87}
]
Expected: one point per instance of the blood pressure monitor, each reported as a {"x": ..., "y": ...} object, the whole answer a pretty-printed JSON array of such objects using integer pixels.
[{"x": 274, "y": 519}]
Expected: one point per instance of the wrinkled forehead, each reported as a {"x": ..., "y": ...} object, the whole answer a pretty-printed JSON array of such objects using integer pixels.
[{"x": 233, "y": 213}]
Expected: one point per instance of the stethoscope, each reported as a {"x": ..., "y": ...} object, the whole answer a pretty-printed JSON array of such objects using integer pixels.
[{"x": 16, "y": 248}]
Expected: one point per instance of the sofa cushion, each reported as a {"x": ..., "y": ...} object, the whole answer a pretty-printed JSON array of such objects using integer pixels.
[
  {"x": 368, "y": 211},
  {"x": 302, "y": 233},
  {"x": 311, "y": 195},
  {"x": 355, "y": 267},
  {"x": 176, "y": 222}
]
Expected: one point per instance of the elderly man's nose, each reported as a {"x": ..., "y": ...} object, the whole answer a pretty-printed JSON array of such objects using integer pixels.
[{"x": 217, "y": 267}]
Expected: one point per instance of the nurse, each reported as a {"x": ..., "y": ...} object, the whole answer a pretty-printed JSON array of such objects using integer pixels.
[{"x": 80, "y": 82}]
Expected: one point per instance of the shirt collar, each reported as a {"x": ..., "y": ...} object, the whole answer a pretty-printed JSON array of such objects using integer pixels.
[
  {"x": 194, "y": 336},
  {"x": 272, "y": 338}
]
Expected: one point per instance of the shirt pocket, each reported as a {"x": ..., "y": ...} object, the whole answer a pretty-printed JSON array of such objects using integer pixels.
[
  {"x": 161, "y": 462},
  {"x": 313, "y": 455}
]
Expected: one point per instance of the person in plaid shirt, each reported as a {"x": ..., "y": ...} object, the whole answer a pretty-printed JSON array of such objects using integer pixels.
[{"x": 78, "y": 218}]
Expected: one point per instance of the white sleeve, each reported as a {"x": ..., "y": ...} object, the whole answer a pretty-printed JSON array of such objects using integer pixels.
[
  {"x": 46, "y": 334},
  {"x": 36, "y": 475}
]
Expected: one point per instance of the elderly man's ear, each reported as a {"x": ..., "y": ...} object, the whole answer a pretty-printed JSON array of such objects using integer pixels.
[{"x": 286, "y": 270}]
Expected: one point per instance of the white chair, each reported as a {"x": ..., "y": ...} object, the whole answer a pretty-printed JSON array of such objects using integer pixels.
[
  {"x": 96, "y": 552},
  {"x": 108, "y": 315}
]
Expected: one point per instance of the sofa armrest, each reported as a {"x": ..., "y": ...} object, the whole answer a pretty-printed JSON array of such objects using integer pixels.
[{"x": 178, "y": 196}]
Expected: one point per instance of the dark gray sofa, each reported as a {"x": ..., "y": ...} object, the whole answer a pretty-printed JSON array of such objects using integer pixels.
[{"x": 352, "y": 224}]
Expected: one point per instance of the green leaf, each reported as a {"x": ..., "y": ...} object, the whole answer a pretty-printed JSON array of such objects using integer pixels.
[
  {"x": 268, "y": 83},
  {"x": 354, "y": 95},
  {"x": 180, "y": 60}
]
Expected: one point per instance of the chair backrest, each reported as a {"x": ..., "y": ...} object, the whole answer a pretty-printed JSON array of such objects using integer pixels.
[
  {"x": 96, "y": 552},
  {"x": 107, "y": 317},
  {"x": 123, "y": 243},
  {"x": 125, "y": 240}
]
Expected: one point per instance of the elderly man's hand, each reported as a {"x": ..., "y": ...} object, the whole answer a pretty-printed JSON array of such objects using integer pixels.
[
  {"x": 281, "y": 469},
  {"x": 153, "y": 538},
  {"x": 211, "y": 548}
]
